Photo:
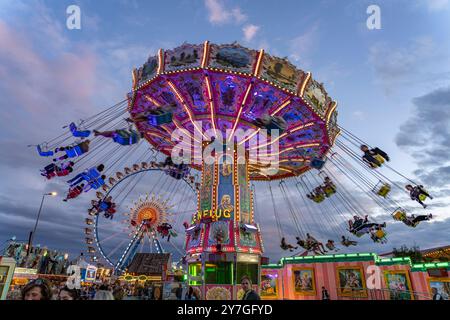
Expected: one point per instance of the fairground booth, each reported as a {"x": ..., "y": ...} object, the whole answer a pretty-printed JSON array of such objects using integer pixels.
[
  {"x": 363, "y": 276},
  {"x": 38, "y": 262}
]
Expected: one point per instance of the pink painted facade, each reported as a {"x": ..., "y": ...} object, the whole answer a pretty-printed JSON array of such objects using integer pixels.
[{"x": 414, "y": 278}]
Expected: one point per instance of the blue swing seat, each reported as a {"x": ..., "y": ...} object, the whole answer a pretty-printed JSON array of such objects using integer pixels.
[
  {"x": 317, "y": 163},
  {"x": 77, "y": 133},
  {"x": 160, "y": 117},
  {"x": 126, "y": 138},
  {"x": 44, "y": 153}
]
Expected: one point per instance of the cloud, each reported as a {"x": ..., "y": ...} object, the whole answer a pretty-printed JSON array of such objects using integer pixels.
[
  {"x": 426, "y": 135},
  {"x": 420, "y": 62},
  {"x": 250, "y": 31},
  {"x": 218, "y": 14},
  {"x": 359, "y": 115},
  {"x": 302, "y": 46},
  {"x": 437, "y": 5}
]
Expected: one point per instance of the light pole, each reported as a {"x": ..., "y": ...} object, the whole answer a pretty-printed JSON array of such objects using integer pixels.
[{"x": 30, "y": 242}]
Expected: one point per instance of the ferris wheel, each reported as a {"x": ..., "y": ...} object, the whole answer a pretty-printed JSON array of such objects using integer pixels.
[{"x": 120, "y": 225}]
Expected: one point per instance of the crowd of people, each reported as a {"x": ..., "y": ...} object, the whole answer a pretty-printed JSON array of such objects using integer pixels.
[{"x": 43, "y": 289}]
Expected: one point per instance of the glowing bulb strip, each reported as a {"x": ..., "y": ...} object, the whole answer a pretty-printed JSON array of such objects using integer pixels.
[
  {"x": 240, "y": 111},
  {"x": 134, "y": 78},
  {"x": 302, "y": 89},
  {"x": 185, "y": 131},
  {"x": 160, "y": 61},
  {"x": 249, "y": 137},
  {"x": 258, "y": 63},
  {"x": 183, "y": 103},
  {"x": 307, "y": 145},
  {"x": 205, "y": 53},
  {"x": 152, "y": 100},
  {"x": 272, "y": 141},
  {"x": 285, "y": 169},
  {"x": 154, "y": 134},
  {"x": 283, "y": 105},
  {"x": 293, "y": 160},
  {"x": 211, "y": 105},
  {"x": 330, "y": 112},
  {"x": 309, "y": 124}
]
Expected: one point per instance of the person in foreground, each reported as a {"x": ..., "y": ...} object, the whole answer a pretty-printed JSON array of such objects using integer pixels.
[
  {"x": 38, "y": 289},
  {"x": 249, "y": 294}
]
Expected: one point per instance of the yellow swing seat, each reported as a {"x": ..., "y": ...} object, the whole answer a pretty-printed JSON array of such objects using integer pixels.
[
  {"x": 379, "y": 158},
  {"x": 399, "y": 215},
  {"x": 329, "y": 191},
  {"x": 422, "y": 197},
  {"x": 384, "y": 190},
  {"x": 319, "y": 198},
  {"x": 380, "y": 234}
]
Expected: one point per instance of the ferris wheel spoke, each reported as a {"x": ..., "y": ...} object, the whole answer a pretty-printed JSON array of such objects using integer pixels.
[
  {"x": 116, "y": 248},
  {"x": 131, "y": 245},
  {"x": 110, "y": 237}
]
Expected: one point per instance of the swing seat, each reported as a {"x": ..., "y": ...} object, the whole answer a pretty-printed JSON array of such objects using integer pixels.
[
  {"x": 103, "y": 206},
  {"x": 125, "y": 138},
  {"x": 74, "y": 151},
  {"x": 379, "y": 158},
  {"x": 77, "y": 133},
  {"x": 399, "y": 215},
  {"x": 160, "y": 117},
  {"x": 318, "y": 198},
  {"x": 384, "y": 190},
  {"x": 317, "y": 163},
  {"x": 44, "y": 153},
  {"x": 97, "y": 183},
  {"x": 380, "y": 234},
  {"x": 422, "y": 197},
  {"x": 329, "y": 191}
]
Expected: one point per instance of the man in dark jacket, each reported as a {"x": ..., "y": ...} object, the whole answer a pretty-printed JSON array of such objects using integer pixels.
[
  {"x": 374, "y": 157},
  {"x": 325, "y": 294},
  {"x": 249, "y": 294}
]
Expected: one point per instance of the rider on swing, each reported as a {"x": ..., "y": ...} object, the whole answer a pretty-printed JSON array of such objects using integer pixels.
[
  {"x": 318, "y": 195},
  {"x": 374, "y": 157},
  {"x": 329, "y": 187},
  {"x": 331, "y": 246},
  {"x": 413, "y": 220},
  {"x": 360, "y": 224},
  {"x": 347, "y": 242},
  {"x": 124, "y": 137},
  {"x": 314, "y": 243},
  {"x": 418, "y": 194},
  {"x": 286, "y": 246}
]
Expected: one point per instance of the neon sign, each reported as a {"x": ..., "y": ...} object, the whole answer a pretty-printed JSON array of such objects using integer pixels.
[{"x": 211, "y": 215}]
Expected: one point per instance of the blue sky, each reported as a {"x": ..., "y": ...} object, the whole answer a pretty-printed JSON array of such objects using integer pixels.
[{"x": 392, "y": 85}]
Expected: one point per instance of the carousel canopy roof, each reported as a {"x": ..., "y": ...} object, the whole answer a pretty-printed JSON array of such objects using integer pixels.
[{"x": 230, "y": 87}]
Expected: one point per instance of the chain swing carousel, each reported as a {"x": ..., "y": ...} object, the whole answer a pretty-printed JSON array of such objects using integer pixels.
[
  {"x": 291, "y": 151},
  {"x": 221, "y": 88}
]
